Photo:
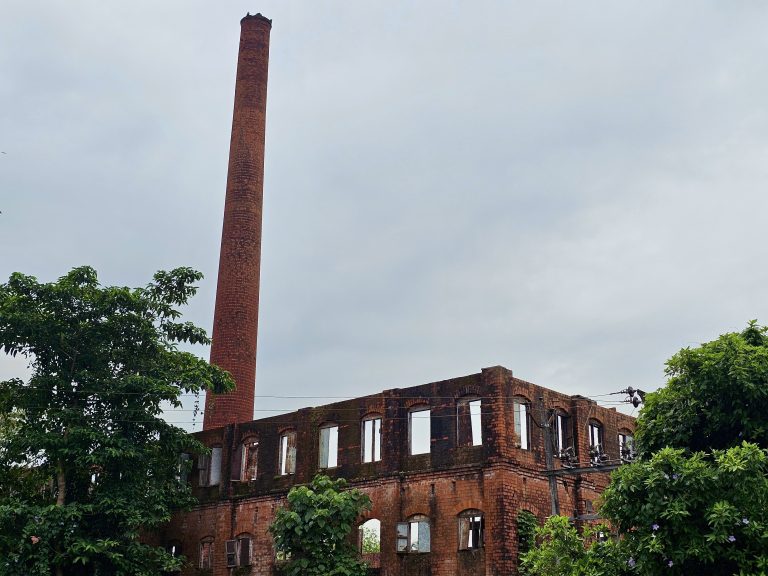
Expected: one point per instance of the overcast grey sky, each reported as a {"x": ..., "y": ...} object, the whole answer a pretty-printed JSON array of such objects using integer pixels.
[{"x": 573, "y": 190}]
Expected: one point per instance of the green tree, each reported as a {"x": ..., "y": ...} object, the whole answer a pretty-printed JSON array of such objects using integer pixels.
[
  {"x": 563, "y": 551},
  {"x": 696, "y": 500},
  {"x": 371, "y": 543},
  {"x": 693, "y": 514},
  {"x": 88, "y": 462},
  {"x": 312, "y": 531},
  {"x": 527, "y": 523},
  {"x": 715, "y": 398}
]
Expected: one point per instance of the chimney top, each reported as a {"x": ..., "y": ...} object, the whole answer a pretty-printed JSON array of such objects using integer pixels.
[{"x": 258, "y": 16}]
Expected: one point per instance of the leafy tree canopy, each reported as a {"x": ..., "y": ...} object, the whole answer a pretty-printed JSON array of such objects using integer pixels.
[
  {"x": 563, "y": 551},
  {"x": 88, "y": 462},
  {"x": 696, "y": 500},
  {"x": 697, "y": 514},
  {"x": 716, "y": 396},
  {"x": 313, "y": 530}
]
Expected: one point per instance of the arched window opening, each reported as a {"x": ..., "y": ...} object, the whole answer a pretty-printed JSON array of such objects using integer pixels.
[
  {"x": 369, "y": 538},
  {"x": 471, "y": 529},
  {"x": 419, "y": 430},
  {"x": 522, "y": 418},
  {"x": 413, "y": 536},
  {"x": 371, "y": 438},
  {"x": 468, "y": 421}
]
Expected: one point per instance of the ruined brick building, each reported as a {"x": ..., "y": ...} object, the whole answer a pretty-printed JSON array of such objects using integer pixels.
[{"x": 448, "y": 465}]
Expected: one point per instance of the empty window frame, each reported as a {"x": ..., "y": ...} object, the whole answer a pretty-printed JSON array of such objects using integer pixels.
[
  {"x": 562, "y": 433},
  {"x": 471, "y": 528},
  {"x": 522, "y": 422},
  {"x": 413, "y": 535},
  {"x": 287, "y": 460},
  {"x": 329, "y": 446},
  {"x": 249, "y": 465},
  {"x": 371, "y": 438},
  {"x": 419, "y": 430},
  {"x": 209, "y": 467},
  {"x": 626, "y": 446},
  {"x": 369, "y": 537},
  {"x": 468, "y": 430},
  {"x": 597, "y": 453},
  {"x": 205, "y": 559},
  {"x": 239, "y": 551},
  {"x": 215, "y": 476},
  {"x": 595, "y": 434}
]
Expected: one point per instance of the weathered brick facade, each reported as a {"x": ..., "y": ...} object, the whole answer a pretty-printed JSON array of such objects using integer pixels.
[{"x": 496, "y": 478}]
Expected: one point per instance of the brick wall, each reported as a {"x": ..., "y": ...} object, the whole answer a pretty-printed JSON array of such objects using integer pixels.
[{"x": 498, "y": 478}]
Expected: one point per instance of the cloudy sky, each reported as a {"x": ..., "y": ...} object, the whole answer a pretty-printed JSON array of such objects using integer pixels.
[{"x": 573, "y": 190}]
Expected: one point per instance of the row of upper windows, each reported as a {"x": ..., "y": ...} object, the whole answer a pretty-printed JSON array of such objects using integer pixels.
[{"x": 468, "y": 433}]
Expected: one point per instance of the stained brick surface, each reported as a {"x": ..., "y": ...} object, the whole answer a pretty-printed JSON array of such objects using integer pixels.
[
  {"x": 236, "y": 315},
  {"x": 496, "y": 477}
]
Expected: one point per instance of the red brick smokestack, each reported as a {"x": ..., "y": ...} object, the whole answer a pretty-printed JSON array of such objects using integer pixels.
[{"x": 235, "y": 321}]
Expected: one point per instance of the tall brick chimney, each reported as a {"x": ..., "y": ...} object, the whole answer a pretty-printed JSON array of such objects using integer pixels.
[{"x": 236, "y": 318}]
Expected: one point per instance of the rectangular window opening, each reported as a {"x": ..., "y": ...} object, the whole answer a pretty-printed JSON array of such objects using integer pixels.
[
  {"x": 215, "y": 475},
  {"x": 287, "y": 464},
  {"x": 413, "y": 536},
  {"x": 329, "y": 447},
  {"x": 203, "y": 467},
  {"x": 250, "y": 461},
  {"x": 206, "y": 555},
  {"x": 521, "y": 424},
  {"x": 470, "y": 532},
  {"x": 231, "y": 550},
  {"x": 371, "y": 440},
  {"x": 238, "y": 552},
  {"x": 420, "y": 431},
  {"x": 468, "y": 423},
  {"x": 244, "y": 546}
]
